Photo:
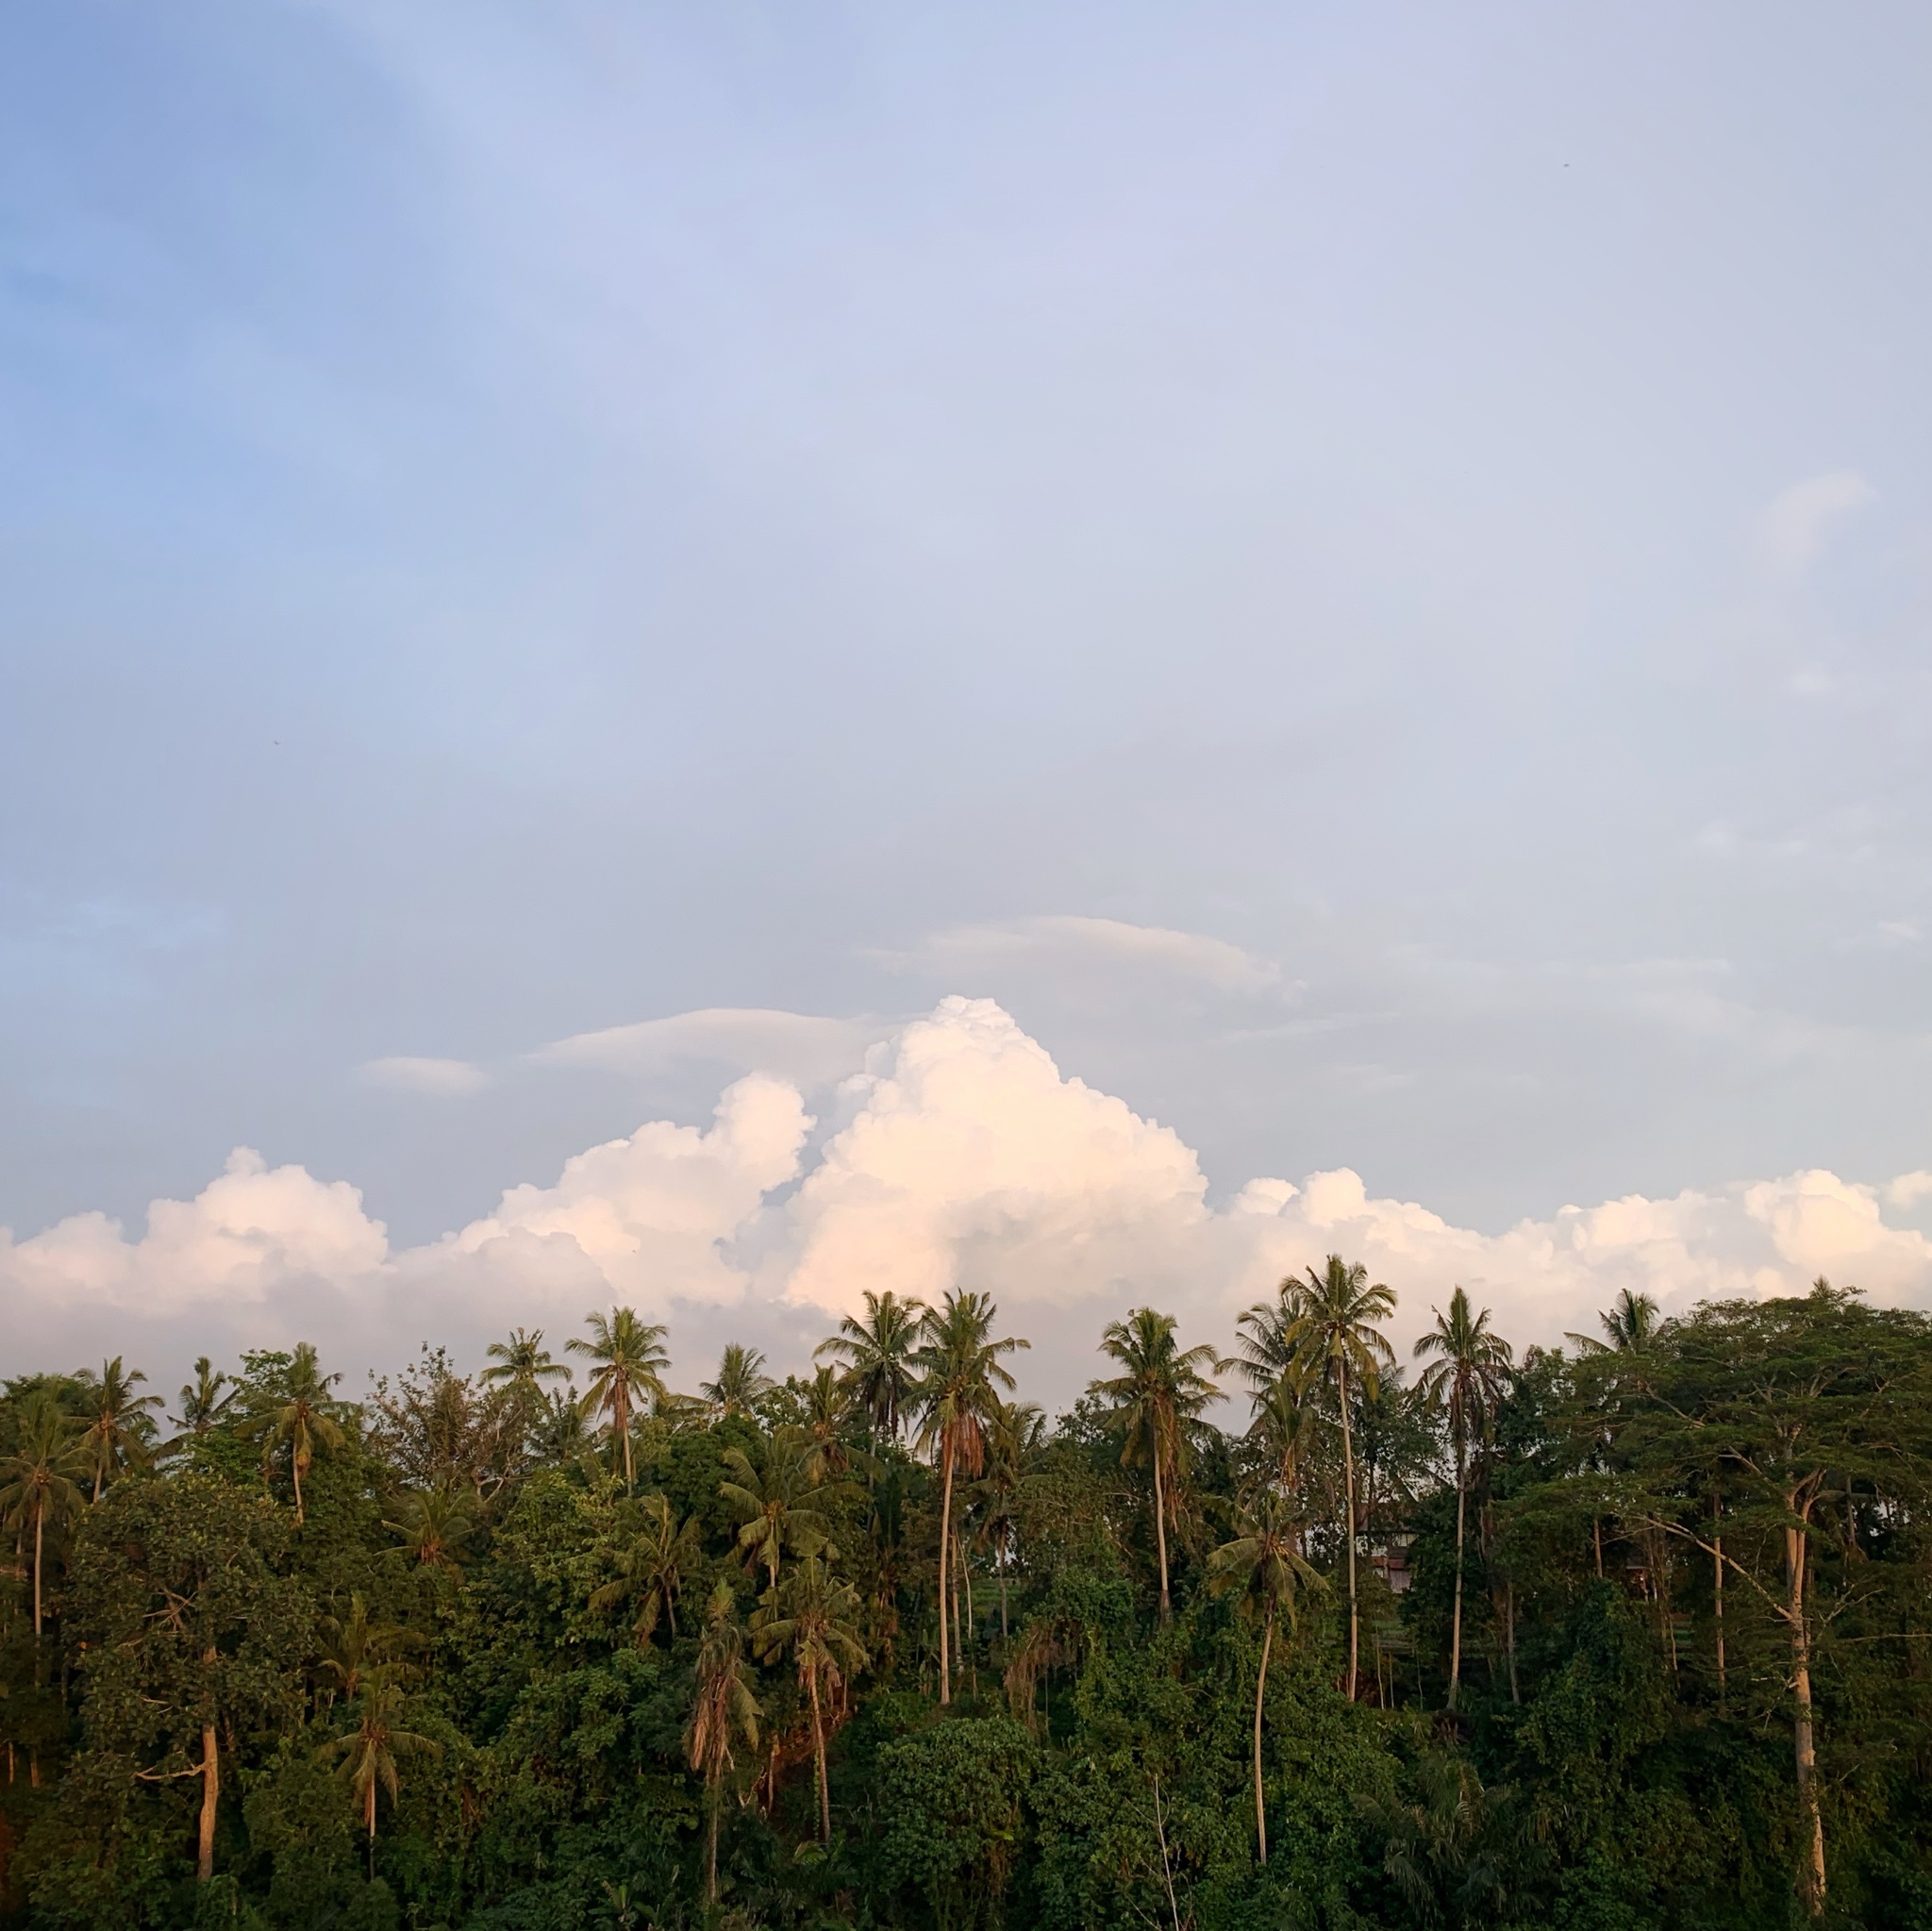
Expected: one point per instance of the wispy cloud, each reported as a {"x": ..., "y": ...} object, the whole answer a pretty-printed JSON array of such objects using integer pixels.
[
  {"x": 410, "y": 1073},
  {"x": 802, "y": 1047},
  {"x": 1073, "y": 939}
]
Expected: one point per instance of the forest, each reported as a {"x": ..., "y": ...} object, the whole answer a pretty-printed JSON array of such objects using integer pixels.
[{"x": 1629, "y": 1632}]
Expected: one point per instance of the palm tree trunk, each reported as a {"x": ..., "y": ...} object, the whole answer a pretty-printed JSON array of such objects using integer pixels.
[
  {"x": 1354, "y": 1625},
  {"x": 295, "y": 1463},
  {"x": 1718, "y": 1593},
  {"x": 1261, "y": 1692},
  {"x": 818, "y": 1744},
  {"x": 39, "y": 1524},
  {"x": 945, "y": 1543},
  {"x": 210, "y": 1798},
  {"x": 1456, "y": 1625},
  {"x": 712, "y": 1847},
  {"x": 1161, "y": 1535},
  {"x": 620, "y": 1413}
]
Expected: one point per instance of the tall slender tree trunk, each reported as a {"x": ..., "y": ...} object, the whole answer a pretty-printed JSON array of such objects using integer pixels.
[
  {"x": 1355, "y": 1625},
  {"x": 295, "y": 1463},
  {"x": 620, "y": 1413},
  {"x": 1161, "y": 1535},
  {"x": 712, "y": 1847},
  {"x": 210, "y": 1800},
  {"x": 1717, "y": 1554},
  {"x": 1510, "y": 1628},
  {"x": 945, "y": 1545},
  {"x": 818, "y": 1744},
  {"x": 1456, "y": 1620},
  {"x": 1260, "y": 1693},
  {"x": 1811, "y": 1816},
  {"x": 1596, "y": 1534},
  {"x": 40, "y": 1524}
]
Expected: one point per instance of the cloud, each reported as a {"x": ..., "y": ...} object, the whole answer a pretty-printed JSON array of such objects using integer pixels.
[
  {"x": 443, "y": 1078},
  {"x": 1066, "y": 938},
  {"x": 963, "y": 1154},
  {"x": 798, "y": 1046},
  {"x": 1794, "y": 530}
]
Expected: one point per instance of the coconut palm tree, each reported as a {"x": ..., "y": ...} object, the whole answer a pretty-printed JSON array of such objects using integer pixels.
[
  {"x": 629, "y": 1363},
  {"x": 779, "y": 1507},
  {"x": 1263, "y": 1567},
  {"x": 1287, "y": 1426},
  {"x": 352, "y": 1645},
  {"x": 815, "y": 1616},
  {"x": 1470, "y": 1370},
  {"x": 878, "y": 1351},
  {"x": 1161, "y": 1389},
  {"x": 434, "y": 1524},
  {"x": 37, "y": 1484},
  {"x": 301, "y": 1415},
  {"x": 723, "y": 1712},
  {"x": 1263, "y": 1350},
  {"x": 521, "y": 1362},
  {"x": 651, "y": 1559},
  {"x": 204, "y": 1403},
  {"x": 368, "y": 1755},
  {"x": 1013, "y": 1444},
  {"x": 958, "y": 1397},
  {"x": 119, "y": 1427},
  {"x": 827, "y": 1411},
  {"x": 1629, "y": 1323},
  {"x": 741, "y": 1379},
  {"x": 1334, "y": 1331}
]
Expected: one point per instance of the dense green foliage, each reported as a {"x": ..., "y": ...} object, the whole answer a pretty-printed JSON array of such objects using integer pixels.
[{"x": 1637, "y": 1630}]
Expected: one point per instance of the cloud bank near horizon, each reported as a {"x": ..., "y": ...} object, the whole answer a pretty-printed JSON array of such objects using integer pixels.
[{"x": 960, "y": 1155}]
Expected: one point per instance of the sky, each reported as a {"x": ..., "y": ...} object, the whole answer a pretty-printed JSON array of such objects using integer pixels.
[{"x": 713, "y": 655}]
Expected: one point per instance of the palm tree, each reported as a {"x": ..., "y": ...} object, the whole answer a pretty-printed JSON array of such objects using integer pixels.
[
  {"x": 878, "y": 1354},
  {"x": 741, "y": 1379},
  {"x": 1470, "y": 1370},
  {"x": 827, "y": 1410},
  {"x": 203, "y": 1406},
  {"x": 301, "y": 1415},
  {"x": 119, "y": 1426},
  {"x": 370, "y": 1752},
  {"x": 815, "y": 1616},
  {"x": 630, "y": 1362},
  {"x": 723, "y": 1711},
  {"x": 434, "y": 1524},
  {"x": 777, "y": 1508},
  {"x": 1334, "y": 1331},
  {"x": 960, "y": 1365},
  {"x": 1262, "y": 1565},
  {"x": 36, "y": 1480},
  {"x": 1631, "y": 1323},
  {"x": 650, "y": 1564},
  {"x": 1264, "y": 1351},
  {"x": 521, "y": 1362},
  {"x": 352, "y": 1645},
  {"x": 1161, "y": 1392},
  {"x": 1287, "y": 1426},
  {"x": 1013, "y": 1443}
]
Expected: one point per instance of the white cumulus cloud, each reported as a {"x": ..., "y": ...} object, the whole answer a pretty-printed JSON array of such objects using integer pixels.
[{"x": 962, "y": 1155}]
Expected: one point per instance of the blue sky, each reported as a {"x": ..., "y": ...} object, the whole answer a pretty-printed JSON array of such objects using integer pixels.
[{"x": 519, "y": 524}]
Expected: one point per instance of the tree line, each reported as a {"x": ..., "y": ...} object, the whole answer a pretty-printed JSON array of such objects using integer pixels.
[{"x": 1630, "y": 1633}]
